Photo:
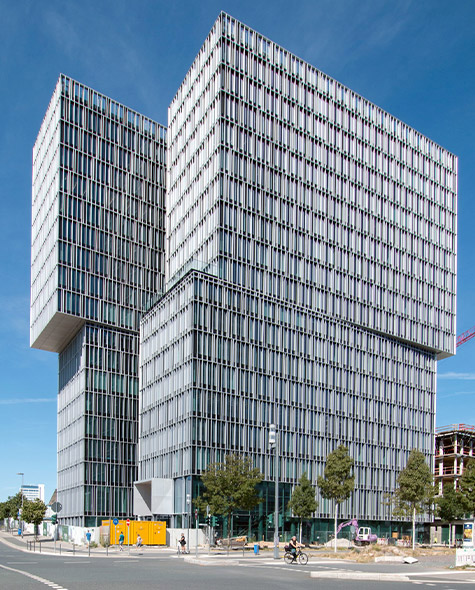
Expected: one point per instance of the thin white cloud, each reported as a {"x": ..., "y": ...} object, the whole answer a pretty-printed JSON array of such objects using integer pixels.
[
  {"x": 456, "y": 394},
  {"x": 459, "y": 376},
  {"x": 27, "y": 400}
]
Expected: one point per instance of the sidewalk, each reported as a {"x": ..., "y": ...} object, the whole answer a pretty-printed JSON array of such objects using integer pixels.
[{"x": 47, "y": 546}]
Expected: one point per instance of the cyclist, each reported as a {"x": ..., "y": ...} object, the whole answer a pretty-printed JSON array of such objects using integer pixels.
[{"x": 293, "y": 546}]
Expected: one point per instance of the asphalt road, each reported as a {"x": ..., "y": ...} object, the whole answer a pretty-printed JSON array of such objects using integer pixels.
[{"x": 32, "y": 571}]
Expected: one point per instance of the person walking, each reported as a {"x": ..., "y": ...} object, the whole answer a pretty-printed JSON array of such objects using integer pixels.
[
  {"x": 182, "y": 543},
  {"x": 121, "y": 541},
  {"x": 139, "y": 542},
  {"x": 88, "y": 538}
]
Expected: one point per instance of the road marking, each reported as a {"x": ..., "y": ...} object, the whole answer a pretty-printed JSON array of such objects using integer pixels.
[
  {"x": 20, "y": 562},
  {"x": 33, "y": 577},
  {"x": 75, "y": 561}
]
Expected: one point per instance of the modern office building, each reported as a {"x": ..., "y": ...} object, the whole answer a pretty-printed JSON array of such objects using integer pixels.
[
  {"x": 33, "y": 492},
  {"x": 97, "y": 259},
  {"x": 303, "y": 263},
  {"x": 310, "y": 281}
]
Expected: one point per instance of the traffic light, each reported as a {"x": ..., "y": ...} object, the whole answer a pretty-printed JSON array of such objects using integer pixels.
[
  {"x": 270, "y": 520},
  {"x": 54, "y": 518},
  {"x": 281, "y": 520},
  {"x": 214, "y": 521},
  {"x": 208, "y": 520}
]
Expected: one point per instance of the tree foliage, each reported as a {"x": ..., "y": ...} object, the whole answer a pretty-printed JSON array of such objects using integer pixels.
[
  {"x": 33, "y": 511},
  {"x": 230, "y": 485},
  {"x": 415, "y": 490},
  {"x": 10, "y": 507},
  {"x": 338, "y": 481},
  {"x": 467, "y": 486},
  {"x": 303, "y": 503},
  {"x": 450, "y": 506}
]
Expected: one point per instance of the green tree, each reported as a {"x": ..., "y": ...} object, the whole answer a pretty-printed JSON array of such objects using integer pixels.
[
  {"x": 303, "y": 502},
  {"x": 415, "y": 493},
  {"x": 230, "y": 486},
  {"x": 10, "y": 507},
  {"x": 450, "y": 506},
  {"x": 33, "y": 512},
  {"x": 467, "y": 486},
  {"x": 338, "y": 481}
]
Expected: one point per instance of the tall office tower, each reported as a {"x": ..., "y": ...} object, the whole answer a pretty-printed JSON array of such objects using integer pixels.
[
  {"x": 97, "y": 259},
  {"x": 311, "y": 266}
]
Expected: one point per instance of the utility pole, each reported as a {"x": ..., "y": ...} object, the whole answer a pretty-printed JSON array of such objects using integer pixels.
[{"x": 274, "y": 443}]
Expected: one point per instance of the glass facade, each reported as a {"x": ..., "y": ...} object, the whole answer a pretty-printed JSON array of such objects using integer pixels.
[
  {"x": 326, "y": 230},
  {"x": 97, "y": 260},
  {"x": 294, "y": 249}
]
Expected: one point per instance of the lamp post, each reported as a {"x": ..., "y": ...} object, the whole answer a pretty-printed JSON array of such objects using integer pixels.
[
  {"x": 188, "y": 518},
  {"x": 274, "y": 444},
  {"x": 21, "y": 492}
]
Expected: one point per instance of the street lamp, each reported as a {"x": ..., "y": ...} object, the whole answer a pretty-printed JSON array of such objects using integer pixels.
[
  {"x": 188, "y": 518},
  {"x": 21, "y": 492},
  {"x": 274, "y": 444}
]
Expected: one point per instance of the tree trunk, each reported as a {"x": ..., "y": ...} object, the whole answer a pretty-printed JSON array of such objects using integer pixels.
[
  {"x": 414, "y": 528},
  {"x": 336, "y": 518}
]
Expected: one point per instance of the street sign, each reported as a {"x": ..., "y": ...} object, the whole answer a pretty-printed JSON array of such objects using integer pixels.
[
  {"x": 56, "y": 506},
  {"x": 127, "y": 522},
  {"x": 196, "y": 513},
  {"x": 116, "y": 521}
]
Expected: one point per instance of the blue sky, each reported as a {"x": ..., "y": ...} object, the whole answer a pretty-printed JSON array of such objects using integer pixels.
[{"x": 414, "y": 58}]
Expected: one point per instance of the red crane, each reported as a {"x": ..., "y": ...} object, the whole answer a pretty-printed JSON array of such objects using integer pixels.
[{"x": 468, "y": 335}]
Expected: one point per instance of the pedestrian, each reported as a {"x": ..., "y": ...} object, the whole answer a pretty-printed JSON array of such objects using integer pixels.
[
  {"x": 182, "y": 543},
  {"x": 139, "y": 541},
  {"x": 121, "y": 541},
  {"x": 88, "y": 537}
]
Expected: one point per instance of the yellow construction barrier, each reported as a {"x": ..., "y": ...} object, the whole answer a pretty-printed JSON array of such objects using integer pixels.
[{"x": 152, "y": 532}]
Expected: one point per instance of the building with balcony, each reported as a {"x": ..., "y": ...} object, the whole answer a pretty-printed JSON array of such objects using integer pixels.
[{"x": 454, "y": 445}]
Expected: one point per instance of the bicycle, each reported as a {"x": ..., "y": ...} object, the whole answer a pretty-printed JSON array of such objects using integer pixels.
[{"x": 300, "y": 556}]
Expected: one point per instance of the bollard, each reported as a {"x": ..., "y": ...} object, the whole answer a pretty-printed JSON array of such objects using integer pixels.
[
  {"x": 107, "y": 550},
  {"x": 74, "y": 549},
  {"x": 39, "y": 542},
  {"x": 60, "y": 548},
  {"x": 89, "y": 550}
]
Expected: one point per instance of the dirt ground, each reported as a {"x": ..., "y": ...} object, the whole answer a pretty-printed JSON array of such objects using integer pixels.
[{"x": 440, "y": 555}]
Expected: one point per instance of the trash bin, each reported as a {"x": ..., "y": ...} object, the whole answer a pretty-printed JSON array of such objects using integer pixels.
[{"x": 256, "y": 548}]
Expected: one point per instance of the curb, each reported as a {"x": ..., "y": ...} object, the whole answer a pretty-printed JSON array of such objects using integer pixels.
[
  {"x": 204, "y": 561},
  {"x": 341, "y": 575}
]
